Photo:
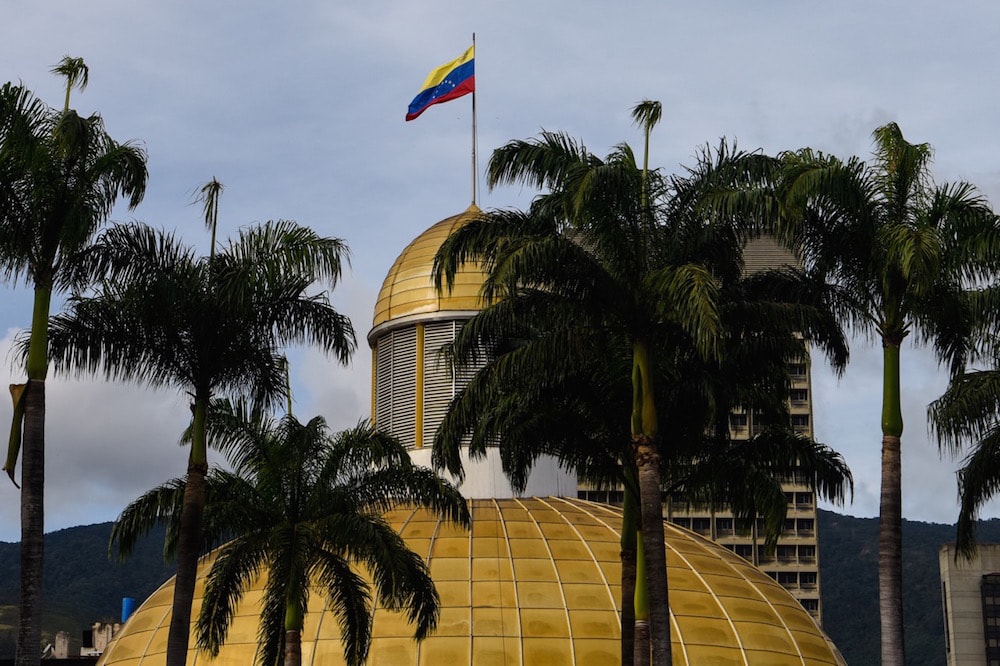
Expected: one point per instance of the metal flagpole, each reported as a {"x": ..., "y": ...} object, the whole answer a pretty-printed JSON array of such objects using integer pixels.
[{"x": 475, "y": 165}]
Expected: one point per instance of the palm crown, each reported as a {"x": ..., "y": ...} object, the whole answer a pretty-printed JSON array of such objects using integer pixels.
[{"x": 303, "y": 506}]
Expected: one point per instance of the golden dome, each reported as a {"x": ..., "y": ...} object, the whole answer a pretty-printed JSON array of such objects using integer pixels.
[
  {"x": 535, "y": 581},
  {"x": 408, "y": 288}
]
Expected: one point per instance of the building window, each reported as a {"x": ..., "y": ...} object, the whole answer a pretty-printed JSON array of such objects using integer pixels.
[
  {"x": 807, "y": 553},
  {"x": 737, "y": 421},
  {"x": 786, "y": 553},
  {"x": 800, "y": 421},
  {"x": 797, "y": 370},
  {"x": 799, "y": 395},
  {"x": 682, "y": 522},
  {"x": 807, "y": 579},
  {"x": 745, "y": 551},
  {"x": 702, "y": 525},
  {"x": 724, "y": 525},
  {"x": 990, "y": 590},
  {"x": 805, "y": 526},
  {"x": 788, "y": 578},
  {"x": 804, "y": 500}
]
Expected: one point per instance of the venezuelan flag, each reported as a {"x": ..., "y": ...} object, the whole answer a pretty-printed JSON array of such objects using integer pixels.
[{"x": 447, "y": 82}]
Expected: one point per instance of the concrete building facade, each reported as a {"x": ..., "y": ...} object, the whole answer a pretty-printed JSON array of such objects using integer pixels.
[{"x": 970, "y": 596}]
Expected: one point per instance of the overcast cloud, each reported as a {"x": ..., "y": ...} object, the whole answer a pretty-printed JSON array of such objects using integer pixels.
[{"x": 297, "y": 108}]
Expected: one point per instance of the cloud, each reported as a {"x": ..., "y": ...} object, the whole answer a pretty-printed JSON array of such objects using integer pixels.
[
  {"x": 105, "y": 445},
  {"x": 297, "y": 108}
]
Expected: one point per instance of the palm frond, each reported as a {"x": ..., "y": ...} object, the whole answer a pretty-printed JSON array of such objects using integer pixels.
[
  {"x": 349, "y": 599},
  {"x": 236, "y": 566},
  {"x": 159, "y": 505},
  {"x": 978, "y": 481}
]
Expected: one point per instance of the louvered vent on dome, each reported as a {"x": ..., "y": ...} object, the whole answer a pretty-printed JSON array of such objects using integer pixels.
[{"x": 396, "y": 384}]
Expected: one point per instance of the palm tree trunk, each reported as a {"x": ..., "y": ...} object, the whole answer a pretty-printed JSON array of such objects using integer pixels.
[
  {"x": 29, "y": 633},
  {"x": 293, "y": 647},
  {"x": 189, "y": 541},
  {"x": 647, "y": 457},
  {"x": 630, "y": 525},
  {"x": 641, "y": 648},
  {"x": 890, "y": 526},
  {"x": 655, "y": 557},
  {"x": 294, "y": 619}
]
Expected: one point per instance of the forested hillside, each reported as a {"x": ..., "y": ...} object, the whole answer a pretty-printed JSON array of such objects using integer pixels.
[
  {"x": 848, "y": 570},
  {"x": 82, "y": 585}
]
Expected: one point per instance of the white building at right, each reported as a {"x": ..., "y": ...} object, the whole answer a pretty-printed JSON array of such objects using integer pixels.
[{"x": 970, "y": 594}]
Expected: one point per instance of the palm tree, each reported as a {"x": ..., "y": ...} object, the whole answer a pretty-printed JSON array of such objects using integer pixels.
[
  {"x": 618, "y": 262},
  {"x": 902, "y": 250},
  {"x": 208, "y": 326},
  {"x": 550, "y": 388},
  {"x": 301, "y": 505},
  {"x": 60, "y": 176}
]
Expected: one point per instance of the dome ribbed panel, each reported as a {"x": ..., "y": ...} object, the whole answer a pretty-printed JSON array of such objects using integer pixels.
[{"x": 409, "y": 289}]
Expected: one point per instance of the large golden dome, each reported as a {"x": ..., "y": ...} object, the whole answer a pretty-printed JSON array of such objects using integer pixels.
[
  {"x": 408, "y": 288},
  {"x": 535, "y": 581}
]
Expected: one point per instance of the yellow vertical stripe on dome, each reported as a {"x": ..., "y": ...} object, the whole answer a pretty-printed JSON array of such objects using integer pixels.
[
  {"x": 706, "y": 621},
  {"x": 374, "y": 383}
]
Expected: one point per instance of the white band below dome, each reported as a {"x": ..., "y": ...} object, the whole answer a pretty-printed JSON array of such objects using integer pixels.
[{"x": 484, "y": 477}]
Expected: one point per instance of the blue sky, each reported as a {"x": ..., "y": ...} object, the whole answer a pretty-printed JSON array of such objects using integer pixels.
[{"x": 297, "y": 108}]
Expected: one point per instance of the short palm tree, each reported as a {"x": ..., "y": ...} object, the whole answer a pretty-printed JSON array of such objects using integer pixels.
[
  {"x": 303, "y": 508},
  {"x": 902, "y": 250},
  {"x": 60, "y": 176},
  {"x": 209, "y": 326}
]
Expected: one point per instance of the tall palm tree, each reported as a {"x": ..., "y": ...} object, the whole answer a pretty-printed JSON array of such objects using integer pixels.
[
  {"x": 610, "y": 252},
  {"x": 902, "y": 250},
  {"x": 302, "y": 505},
  {"x": 549, "y": 388},
  {"x": 60, "y": 176},
  {"x": 208, "y": 326}
]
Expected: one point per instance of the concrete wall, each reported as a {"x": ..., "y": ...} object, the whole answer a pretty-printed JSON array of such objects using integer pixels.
[{"x": 961, "y": 580}]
